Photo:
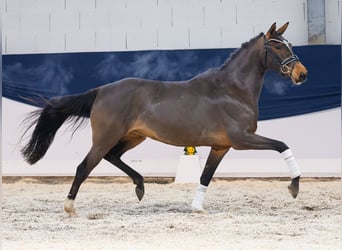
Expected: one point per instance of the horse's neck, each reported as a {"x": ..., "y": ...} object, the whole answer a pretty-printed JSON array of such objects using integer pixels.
[{"x": 245, "y": 72}]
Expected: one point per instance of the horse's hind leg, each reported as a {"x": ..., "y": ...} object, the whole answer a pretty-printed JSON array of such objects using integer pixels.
[
  {"x": 83, "y": 170},
  {"x": 103, "y": 140},
  {"x": 114, "y": 157}
]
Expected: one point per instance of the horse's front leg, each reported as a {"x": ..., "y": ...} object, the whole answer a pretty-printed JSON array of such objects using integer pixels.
[
  {"x": 254, "y": 141},
  {"x": 214, "y": 158}
]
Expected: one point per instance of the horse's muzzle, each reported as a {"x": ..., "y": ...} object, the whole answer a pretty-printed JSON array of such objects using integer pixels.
[{"x": 299, "y": 73}]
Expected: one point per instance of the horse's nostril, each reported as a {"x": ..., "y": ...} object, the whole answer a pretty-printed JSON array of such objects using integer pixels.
[{"x": 302, "y": 76}]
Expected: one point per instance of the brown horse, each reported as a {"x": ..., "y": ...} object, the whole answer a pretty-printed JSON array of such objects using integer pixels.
[{"x": 217, "y": 108}]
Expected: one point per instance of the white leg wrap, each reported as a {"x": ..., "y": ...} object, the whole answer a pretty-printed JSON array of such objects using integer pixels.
[
  {"x": 291, "y": 163},
  {"x": 197, "y": 203}
]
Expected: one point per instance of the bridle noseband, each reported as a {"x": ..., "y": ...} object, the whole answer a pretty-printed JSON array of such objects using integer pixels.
[{"x": 285, "y": 69}]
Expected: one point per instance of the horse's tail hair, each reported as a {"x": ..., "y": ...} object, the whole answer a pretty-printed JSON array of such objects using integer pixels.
[{"x": 46, "y": 121}]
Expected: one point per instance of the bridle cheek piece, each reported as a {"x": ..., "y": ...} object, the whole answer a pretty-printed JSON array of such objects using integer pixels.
[{"x": 285, "y": 69}]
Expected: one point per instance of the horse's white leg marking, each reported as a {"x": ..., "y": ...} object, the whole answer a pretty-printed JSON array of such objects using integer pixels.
[
  {"x": 69, "y": 207},
  {"x": 197, "y": 203},
  {"x": 291, "y": 163}
]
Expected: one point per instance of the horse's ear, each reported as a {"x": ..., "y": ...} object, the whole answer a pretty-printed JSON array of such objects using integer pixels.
[
  {"x": 282, "y": 29},
  {"x": 271, "y": 31}
]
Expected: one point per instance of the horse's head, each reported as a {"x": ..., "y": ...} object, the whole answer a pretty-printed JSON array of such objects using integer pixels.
[{"x": 280, "y": 57}]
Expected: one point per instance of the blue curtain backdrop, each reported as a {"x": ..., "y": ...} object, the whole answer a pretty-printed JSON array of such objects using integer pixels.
[{"x": 27, "y": 77}]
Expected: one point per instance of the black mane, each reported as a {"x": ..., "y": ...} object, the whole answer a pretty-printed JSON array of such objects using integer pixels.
[{"x": 238, "y": 51}]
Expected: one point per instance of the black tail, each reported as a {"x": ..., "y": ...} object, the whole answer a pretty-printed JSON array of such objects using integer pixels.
[{"x": 49, "y": 119}]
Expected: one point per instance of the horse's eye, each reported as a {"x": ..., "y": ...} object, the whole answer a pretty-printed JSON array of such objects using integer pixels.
[{"x": 278, "y": 47}]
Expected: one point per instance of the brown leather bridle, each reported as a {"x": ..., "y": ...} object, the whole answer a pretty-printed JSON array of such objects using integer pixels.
[{"x": 285, "y": 69}]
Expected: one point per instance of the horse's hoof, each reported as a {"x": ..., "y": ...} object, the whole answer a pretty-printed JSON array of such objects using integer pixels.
[
  {"x": 293, "y": 191},
  {"x": 198, "y": 211},
  {"x": 140, "y": 191},
  {"x": 69, "y": 207},
  {"x": 294, "y": 187},
  {"x": 197, "y": 207}
]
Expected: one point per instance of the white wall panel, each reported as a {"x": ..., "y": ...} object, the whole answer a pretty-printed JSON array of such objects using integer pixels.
[
  {"x": 235, "y": 18},
  {"x": 79, "y": 41},
  {"x": 185, "y": 15},
  {"x": 124, "y": 18},
  {"x": 205, "y": 37},
  {"x": 12, "y": 5},
  {"x": 170, "y": 3},
  {"x": 80, "y": 4},
  {"x": 35, "y": 21},
  {"x": 145, "y": 4},
  {"x": 296, "y": 33},
  {"x": 260, "y": 11},
  {"x": 27, "y": 4},
  {"x": 232, "y": 39},
  {"x": 173, "y": 38},
  {"x": 189, "y": 3},
  {"x": 246, "y": 12},
  {"x": 64, "y": 21},
  {"x": 112, "y": 40},
  {"x": 110, "y": 4},
  {"x": 20, "y": 43},
  {"x": 294, "y": 11},
  {"x": 16, "y": 5},
  {"x": 206, "y": 2},
  {"x": 50, "y": 5},
  {"x": 47, "y": 42},
  {"x": 156, "y": 17},
  {"x": 220, "y": 14},
  {"x": 140, "y": 39},
  {"x": 11, "y": 22},
  {"x": 95, "y": 20}
]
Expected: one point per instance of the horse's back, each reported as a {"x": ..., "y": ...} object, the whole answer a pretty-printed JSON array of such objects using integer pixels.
[
  {"x": 130, "y": 97},
  {"x": 192, "y": 112},
  {"x": 137, "y": 92}
]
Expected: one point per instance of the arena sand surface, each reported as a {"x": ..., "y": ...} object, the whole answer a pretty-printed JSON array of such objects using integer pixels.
[{"x": 242, "y": 214}]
